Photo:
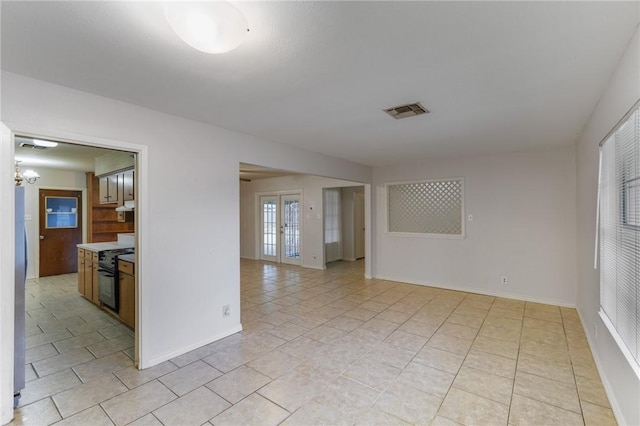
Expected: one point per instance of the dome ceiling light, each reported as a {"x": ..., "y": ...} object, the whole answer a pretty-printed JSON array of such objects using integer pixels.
[{"x": 210, "y": 26}]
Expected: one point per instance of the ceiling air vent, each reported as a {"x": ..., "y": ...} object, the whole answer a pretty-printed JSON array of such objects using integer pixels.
[
  {"x": 30, "y": 145},
  {"x": 404, "y": 111}
]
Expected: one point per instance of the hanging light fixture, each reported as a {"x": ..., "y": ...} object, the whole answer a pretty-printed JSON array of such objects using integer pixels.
[
  {"x": 29, "y": 176},
  {"x": 210, "y": 26}
]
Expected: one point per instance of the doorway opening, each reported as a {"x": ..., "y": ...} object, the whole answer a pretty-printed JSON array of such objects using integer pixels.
[
  {"x": 344, "y": 223},
  {"x": 280, "y": 225},
  {"x": 262, "y": 227},
  {"x": 79, "y": 202}
]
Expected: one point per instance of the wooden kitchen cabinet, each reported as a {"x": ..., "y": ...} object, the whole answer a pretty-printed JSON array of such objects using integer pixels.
[
  {"x": 117, "y": 188},
  {"x": 109, "y": 189},
  {"x": 81, "y": 271},
  {"x": 88, "y": 274},
  {"x": 85, "y": 273},
  {"x": 102, "y": 220},
  {"x": 127, "y": 298},
  {"x": 94, "y": 277},
  {"x": 128, "y": 192}
]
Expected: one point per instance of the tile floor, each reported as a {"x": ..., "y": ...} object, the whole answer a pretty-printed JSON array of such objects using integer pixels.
[{"x": 319, "y": 347}]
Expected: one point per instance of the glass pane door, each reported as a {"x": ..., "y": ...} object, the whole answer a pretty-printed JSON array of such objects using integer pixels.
[
  {"x": 290, "y": 229},
  {"x": 269, "y": 243}
]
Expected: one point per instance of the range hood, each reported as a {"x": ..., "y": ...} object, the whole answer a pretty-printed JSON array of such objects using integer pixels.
[{"x": 127, "y": 207}]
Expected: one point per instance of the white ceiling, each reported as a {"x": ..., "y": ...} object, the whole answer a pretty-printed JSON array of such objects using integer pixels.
[
  {"x": 64, "y": 156},
  {"x": 496, "y": 75}
]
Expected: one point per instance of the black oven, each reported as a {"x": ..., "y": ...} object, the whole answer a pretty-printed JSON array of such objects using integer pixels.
[{"x": 108, "y": 291}]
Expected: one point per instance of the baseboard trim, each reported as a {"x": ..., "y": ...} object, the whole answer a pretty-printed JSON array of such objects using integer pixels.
[
  {"x": 479, "y": 291},
  {"x": 608, "y": 389},
  {"x": 319, "y": 268},
  {"x": 170, "y": 355}
]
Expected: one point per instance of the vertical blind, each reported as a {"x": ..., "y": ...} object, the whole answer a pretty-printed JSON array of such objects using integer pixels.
[
  {"x": 332, "y": 225},
  {"x": 619, "y": 227},
  {"x": 332, "y": 217}
]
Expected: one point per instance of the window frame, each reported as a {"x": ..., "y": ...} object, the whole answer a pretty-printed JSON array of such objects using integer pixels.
[
  {"x": 460, "y": 236},
  {"x": 622, "y": 182},
  {"x": 625, "y": 203}
]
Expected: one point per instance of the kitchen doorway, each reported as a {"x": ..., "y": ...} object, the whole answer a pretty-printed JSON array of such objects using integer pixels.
[
  {"x": 71, "y": 205},
  {"x": 60, "y": 217}
]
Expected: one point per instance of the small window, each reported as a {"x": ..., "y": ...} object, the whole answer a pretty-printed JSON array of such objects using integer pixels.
[
  {"x": 619, "y": 234},
  {"x": 62, "y": 212},
  {"x": 431, "y": 208}
]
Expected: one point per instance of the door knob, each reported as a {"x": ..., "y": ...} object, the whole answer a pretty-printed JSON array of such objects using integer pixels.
[{"x": 42, "y": 237}]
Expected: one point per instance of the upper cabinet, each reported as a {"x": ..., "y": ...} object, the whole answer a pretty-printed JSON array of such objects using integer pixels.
[
  {"x": 115, "y": 171},
  {"x": 128, "y": 192},
  {"x": 109, "y": 189}
]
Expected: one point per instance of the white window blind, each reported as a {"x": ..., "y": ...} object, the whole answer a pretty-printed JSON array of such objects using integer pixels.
[
  {"x": 619, "y": 229},
  {"x": 332, "y": 217},
  {"x": 430, "y": 208},
  {"x": 332, "y": 225}
]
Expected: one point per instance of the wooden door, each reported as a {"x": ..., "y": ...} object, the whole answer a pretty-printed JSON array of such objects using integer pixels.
[{"x": 60, "y": 216}]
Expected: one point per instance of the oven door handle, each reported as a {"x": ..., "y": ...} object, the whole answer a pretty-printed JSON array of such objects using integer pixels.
[{"x": 106, "y": 273}]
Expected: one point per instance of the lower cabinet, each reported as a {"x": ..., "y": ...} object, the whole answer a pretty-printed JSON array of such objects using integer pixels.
[
  {"x": 81, "y": 271},
  {"x": 88, "y": 284},
  {"x": 127, "y": 311},
  {"x": 94, "y": 274},
  {"x": 86, "y": 281},
  {"x": 88, "y": 274}
]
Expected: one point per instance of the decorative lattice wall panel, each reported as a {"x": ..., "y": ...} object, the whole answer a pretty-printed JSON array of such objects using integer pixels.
[{"x": 428, "y": 207}]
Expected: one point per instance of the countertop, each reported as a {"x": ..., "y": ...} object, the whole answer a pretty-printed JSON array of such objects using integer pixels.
[
  {"x": 105, "y": 246},
  {"x": 128, "y": 257}
]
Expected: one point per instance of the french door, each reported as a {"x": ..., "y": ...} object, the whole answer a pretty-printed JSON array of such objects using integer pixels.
[{"x": 280, "y": 228}]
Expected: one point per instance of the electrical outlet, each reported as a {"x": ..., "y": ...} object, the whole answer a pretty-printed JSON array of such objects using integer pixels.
[
  {"x": 504, "y": 280},
  {"x": 470, "y": 218},
  {"x": 226, "y": 311},
  {"x": 27, "y": 217}
]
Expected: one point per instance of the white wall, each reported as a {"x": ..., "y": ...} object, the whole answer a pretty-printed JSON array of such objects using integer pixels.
[
  {"x": 523, "y": 207},
  {"x": 619, "y": 378},
  {"x": 189, "y": 221},
  {"x": 49, "y": 179},
  {"x": 247, "y": 221},
  {"x": 312, "y": 222}
]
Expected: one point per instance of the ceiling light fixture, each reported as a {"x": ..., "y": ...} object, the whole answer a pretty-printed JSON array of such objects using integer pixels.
[
  {"x": 45, "y": 144},
  {"x": 211, "y": 27}
]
